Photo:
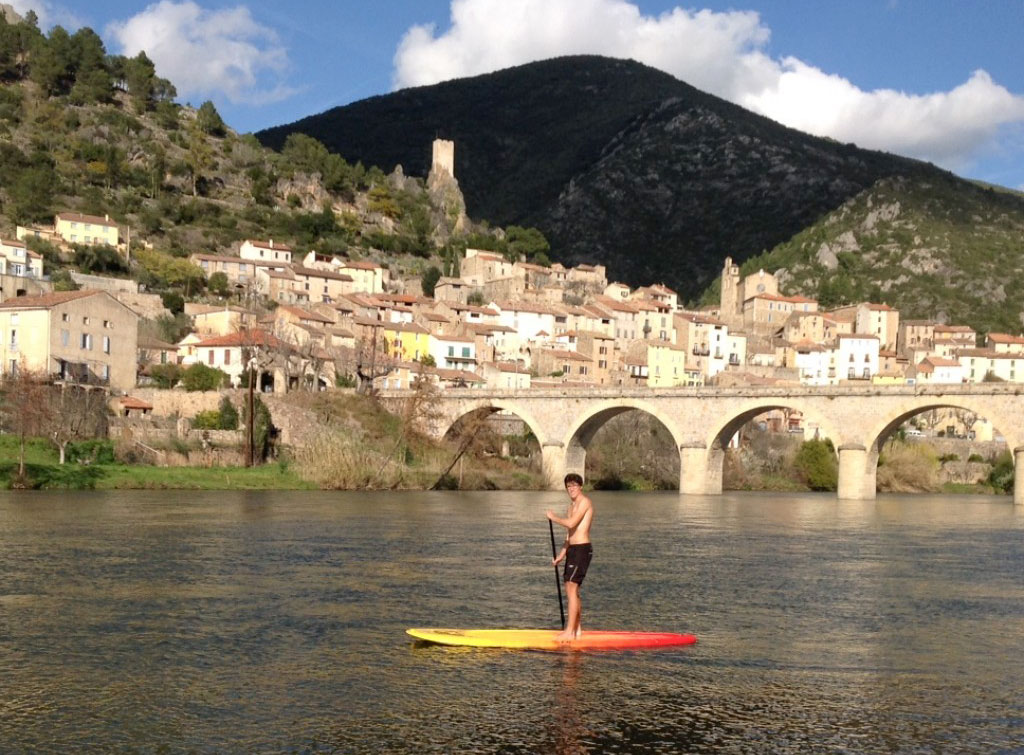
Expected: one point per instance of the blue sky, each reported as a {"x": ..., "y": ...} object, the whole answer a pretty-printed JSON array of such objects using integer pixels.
[{"x": 934, "y": 79}]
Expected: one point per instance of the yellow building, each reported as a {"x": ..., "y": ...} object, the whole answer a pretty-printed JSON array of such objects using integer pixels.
[
  {"x": 399, "y": 340},
  {"x": 87, "y": 336},
  {"x": 666, "y": 365},
  {"x": 76, "y": 228}
]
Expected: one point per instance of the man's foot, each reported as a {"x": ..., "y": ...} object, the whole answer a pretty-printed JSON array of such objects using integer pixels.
[
  {"x": 564, "y": 637},
  {"x": 579, "y": 633}
]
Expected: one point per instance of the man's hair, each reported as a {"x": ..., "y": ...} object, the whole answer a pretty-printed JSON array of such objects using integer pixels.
[{"x": 573, "y": 477}]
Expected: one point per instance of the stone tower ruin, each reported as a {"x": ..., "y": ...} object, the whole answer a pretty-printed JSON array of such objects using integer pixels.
[{"x": 444, "y": 156}]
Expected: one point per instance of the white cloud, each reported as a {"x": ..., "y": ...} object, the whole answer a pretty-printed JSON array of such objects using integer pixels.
[
  {"x": 208, "y": 52},
  {"x": 722, "y": 53}
]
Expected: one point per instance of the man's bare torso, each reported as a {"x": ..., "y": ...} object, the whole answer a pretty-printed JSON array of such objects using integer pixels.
[{"x": 581, "y": 532}]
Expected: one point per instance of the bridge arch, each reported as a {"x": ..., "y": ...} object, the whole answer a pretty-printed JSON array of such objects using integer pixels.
[
  {"x": 582, "y": 431},
  {"x": 884, "y": 428},
  {"x": 703, "y": 461},
  {"x": 491, "y": 406}
]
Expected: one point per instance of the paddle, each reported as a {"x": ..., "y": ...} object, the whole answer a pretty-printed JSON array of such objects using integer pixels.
[{"x": 558, "y": 582}]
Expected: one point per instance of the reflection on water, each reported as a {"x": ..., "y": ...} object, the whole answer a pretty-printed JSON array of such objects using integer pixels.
[{"x": 275, "y": 622}]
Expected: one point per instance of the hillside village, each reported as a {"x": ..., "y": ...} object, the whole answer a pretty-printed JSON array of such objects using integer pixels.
[{"x": 319, "y": 321}]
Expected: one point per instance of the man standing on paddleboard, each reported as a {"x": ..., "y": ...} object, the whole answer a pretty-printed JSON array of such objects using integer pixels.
[{"x": 576, "y": 552}]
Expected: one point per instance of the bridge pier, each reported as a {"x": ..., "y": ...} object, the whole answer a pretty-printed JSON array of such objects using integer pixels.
[
  {"x": 700, "y": 470},
  {"x": 553, "y": 464},
  {"x": 856, "y": 480},
  {"x": 1018, "y": 476}
]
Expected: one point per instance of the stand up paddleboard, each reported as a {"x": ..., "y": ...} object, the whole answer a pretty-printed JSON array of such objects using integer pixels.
[{"x": 544, "y": 639}]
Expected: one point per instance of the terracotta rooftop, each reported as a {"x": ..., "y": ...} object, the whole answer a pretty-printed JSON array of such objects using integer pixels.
[{"x": 45, "y": 301}]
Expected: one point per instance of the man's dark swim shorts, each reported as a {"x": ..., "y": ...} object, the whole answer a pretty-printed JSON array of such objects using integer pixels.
[{"x": 577, "y": 559}]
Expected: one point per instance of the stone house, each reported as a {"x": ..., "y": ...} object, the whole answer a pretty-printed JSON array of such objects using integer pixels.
[
  {"x": 1004, "y": 343},
  {"x": 84, "y": 336},
  {"x": 507, "y": 375},
  {"x": 564, "y": 364},
  {"x": 949, "y": 339}
]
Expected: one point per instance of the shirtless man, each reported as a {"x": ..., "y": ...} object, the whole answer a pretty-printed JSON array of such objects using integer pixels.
[{"x": 576, "y": 552}]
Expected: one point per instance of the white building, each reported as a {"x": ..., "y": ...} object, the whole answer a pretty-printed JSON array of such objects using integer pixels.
[
  {"x": 277, "y": 255},
  {"x": 857, "y": 356},
  {"x": 17, "y": 259},
  {"x": 452, "y": 352},
  {"x": 815, "y": 363}
]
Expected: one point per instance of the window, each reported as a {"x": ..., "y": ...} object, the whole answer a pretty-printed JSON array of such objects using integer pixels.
[
  {"x": 86, "y": 341},
  {"x": 65, "y": 337},
  {"x": 852, "y": 373},
  {"x": 227, "y": 356},
  {"x": 65, "y": 317},
  {"x": 565, "y": 369},
  {"x": 867, "y": 373},
  {"x": 451, "y": 351},
  {"x": 106, "y": 344},
  {"x": 209, "y": 356},
  {"x": 465, "y": 351},
  {"x": 602, "y": 364},
  {"x": 85, "y": 321},
  {"x": 14, "y": 339}
]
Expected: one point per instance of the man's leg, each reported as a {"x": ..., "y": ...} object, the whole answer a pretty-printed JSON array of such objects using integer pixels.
[{"x": 572, "y": 627}]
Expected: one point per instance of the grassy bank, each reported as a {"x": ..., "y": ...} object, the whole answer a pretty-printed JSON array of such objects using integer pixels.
[{"x": 351, "y": 443}]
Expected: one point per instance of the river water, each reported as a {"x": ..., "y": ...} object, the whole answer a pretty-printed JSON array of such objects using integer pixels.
[{"x": 274, "y": 622}]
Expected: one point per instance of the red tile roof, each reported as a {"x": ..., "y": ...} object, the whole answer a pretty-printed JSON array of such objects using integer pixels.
[{"x": 45, "y": 301}]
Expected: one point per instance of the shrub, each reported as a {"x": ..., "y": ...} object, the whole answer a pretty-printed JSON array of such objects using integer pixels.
[
  {"x": 816, "y": 465},
  {"x": 91, "y": 452},
  {"x": 228, "y": 415},
  {"x": 976, "y": 459},
  {"x": 1001, "y": 477},
  {"x": 165, "y": 375},
  {"x": 948, "y": 457},
  {"x": 199, "y": 377},
  {"x": 208, "y": 420}
]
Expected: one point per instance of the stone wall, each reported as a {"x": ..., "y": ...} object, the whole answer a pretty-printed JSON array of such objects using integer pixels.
[
  {"x": 112, "y": 286},
  {"x": 170, "y": 403}
]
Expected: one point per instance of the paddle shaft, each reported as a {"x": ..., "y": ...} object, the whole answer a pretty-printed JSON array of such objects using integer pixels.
[{"x": 558, "y": 582}]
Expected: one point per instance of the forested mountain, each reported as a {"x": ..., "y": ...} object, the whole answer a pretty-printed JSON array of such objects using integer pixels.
[
  {"x": 616, "y": 163},
  {"x": 936, "y": 248}
]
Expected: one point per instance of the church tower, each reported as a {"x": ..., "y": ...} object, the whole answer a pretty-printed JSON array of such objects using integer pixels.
[{"x": 731, "y": 302}]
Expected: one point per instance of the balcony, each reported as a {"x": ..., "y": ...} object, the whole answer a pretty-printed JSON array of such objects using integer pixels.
[{"x": 701, "y": 351}]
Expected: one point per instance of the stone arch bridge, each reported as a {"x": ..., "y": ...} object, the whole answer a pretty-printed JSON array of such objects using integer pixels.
[{"x": 701, "y": 421}]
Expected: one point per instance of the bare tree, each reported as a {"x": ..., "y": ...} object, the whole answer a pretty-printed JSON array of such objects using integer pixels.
[
  {"x": 24, "y": 408},
  {"x": 968, "y": 419},
  {"x": 372, "y": 361},
  {"x": 73, "y": 412}
]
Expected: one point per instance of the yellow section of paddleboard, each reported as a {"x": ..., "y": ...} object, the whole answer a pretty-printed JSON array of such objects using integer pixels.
[{"x": 544, "y": 639}]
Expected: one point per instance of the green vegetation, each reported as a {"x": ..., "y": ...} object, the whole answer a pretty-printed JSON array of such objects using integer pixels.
[
  {"x": 199, "y": 377},
  {"x": 223, "y": 418},
  {"x": 816, "y": 465},
  {"x": 939, "y": 247}
]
